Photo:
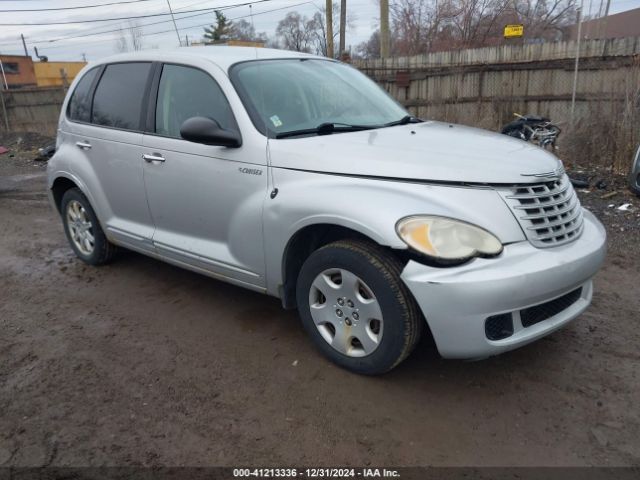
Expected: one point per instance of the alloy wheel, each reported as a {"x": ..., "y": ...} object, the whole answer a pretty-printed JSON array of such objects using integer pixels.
[{"x": 80, "y": 227}]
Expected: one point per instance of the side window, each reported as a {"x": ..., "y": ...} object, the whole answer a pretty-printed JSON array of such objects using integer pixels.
[
  {"x": 118, "y": 99},
  {"x": 186, "y": 92},
  {"x": 80, "y": 103}
]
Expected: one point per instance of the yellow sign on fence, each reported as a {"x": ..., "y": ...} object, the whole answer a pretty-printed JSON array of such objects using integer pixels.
[{"x": 513, "y": 31}]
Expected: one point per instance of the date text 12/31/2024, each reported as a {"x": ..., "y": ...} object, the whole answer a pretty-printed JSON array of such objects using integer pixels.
[{"x": 315, "y": 473}]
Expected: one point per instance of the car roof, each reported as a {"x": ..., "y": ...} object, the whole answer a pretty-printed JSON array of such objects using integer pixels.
[{"x": 223, "y": 56}]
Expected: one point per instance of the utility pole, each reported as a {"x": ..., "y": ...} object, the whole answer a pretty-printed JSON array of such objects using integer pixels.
[
  {"x": 24, "y": 44},
  {"x": 329, "y": 8},
  {"x": 343, "y": 25},
  {"x": 174, "y": 23},
  {"x": 384, "y": 28},
  {"x": 575, "y": 68},
  {"x": 2, "y": 88},
  {"x": 604, "y": 22},
  {"x": 4, "y": 109},
  {"x": 4, "y": 78}
]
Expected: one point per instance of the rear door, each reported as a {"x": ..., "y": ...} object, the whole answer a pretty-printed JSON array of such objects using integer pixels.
[
  {"x": 206, "y": 201},
  {"x": 108, "y": 132}
]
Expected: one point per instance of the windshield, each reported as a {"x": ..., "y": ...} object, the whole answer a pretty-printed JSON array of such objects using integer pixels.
[{"x": 297, "y": 94}]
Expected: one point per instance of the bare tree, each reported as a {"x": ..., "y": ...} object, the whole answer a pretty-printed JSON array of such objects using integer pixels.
[
  {"x": 544, "y": 18},
  {"x": 369, "y": 48},
  {"x": 476, "y": 21},
  {"x": 412, "y": 20},
  {"x": 317, "y": 28},
  {"x": 293, "y": 32},
  {"x": 429, "y": 25},
  {"x": 245, "y": 31},
  {"x": 130, "y": 38},
  {"x": 121, "y": 42}
]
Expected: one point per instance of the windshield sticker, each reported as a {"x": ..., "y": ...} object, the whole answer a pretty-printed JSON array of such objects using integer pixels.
[{"x": 276, "y": 121}]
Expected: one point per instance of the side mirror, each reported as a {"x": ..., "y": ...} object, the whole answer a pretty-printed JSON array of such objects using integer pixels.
[{"x": 209, "y": 132}]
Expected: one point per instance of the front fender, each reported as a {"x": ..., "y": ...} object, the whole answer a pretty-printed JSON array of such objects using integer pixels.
[{"x": 371, "y": 207}]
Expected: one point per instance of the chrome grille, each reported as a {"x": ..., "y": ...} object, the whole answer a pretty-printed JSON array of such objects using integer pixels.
[{"x": 549, "y": 213}]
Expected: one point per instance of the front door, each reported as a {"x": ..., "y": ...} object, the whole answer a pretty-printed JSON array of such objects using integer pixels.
[{"x": 206, "y": 201}]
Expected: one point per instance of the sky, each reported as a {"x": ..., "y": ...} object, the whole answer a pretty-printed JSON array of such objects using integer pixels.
[{"x": 54, "y": 42}]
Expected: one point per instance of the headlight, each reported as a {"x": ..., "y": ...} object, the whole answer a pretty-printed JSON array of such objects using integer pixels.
[{"x": 445, "y": 238}]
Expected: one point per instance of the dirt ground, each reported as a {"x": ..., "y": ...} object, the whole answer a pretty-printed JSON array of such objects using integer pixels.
[{"x": 142, "y": 363}]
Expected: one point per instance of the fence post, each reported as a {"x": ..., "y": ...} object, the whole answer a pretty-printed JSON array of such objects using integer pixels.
[
  {"x": 4, "y": 110},
  {"x": 575, "y": 70}
]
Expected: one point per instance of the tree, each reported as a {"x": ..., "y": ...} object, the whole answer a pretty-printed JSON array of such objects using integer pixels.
[
  {"x": 476, "y": 22},
  {"x": 369, "y": 48},
  {"x": 317, "y": 27},
  {"x": 421, "y": 26},
  {"x": 310, "y": 34},
  {"x": 545, "y": 18},
  {"x": 245, "y": 31},
  {"x": 129, "y": 38},
  {"x": 414, "y": 23},
  {"x": 293, "y": 32},
  {"x": 221, "y": 31}
]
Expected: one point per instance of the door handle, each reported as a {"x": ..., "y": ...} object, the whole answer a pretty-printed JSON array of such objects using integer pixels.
[
  {"x": 83, "y": 145},
  {"x": 155, "y": 157}
]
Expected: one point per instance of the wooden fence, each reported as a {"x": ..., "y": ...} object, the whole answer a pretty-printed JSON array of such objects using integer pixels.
[
  {"x": 31, "y": 109},
  {"x": 485, "y": 86},
  {"x": 481, "y": 87}
]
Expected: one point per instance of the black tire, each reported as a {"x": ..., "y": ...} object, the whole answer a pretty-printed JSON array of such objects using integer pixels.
[
  {"x": 516, "y": 133},
  {"x": 103, "y": 250},
  {"x": 380, "y": 270}
]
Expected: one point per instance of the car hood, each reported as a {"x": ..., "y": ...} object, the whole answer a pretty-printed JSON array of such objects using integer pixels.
[{"x": 423, "y": 151}]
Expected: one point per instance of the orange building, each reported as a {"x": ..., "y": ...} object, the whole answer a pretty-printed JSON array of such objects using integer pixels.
[{"x": 16, "y": 71}]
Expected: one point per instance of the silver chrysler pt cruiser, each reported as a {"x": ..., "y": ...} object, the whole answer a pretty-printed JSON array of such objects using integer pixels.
[{"x": 297, "y": 176}]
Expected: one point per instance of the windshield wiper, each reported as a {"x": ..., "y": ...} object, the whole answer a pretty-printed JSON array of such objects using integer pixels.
[
  {"x": 403, "y": 121},
  {"x": 326, "y": 129}
]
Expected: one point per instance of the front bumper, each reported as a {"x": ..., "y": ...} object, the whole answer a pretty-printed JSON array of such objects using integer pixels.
[{"x": 457, "y": 301}]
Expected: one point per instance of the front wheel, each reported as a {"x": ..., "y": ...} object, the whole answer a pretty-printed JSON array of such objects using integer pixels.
[{"x": 355, "y": 307}]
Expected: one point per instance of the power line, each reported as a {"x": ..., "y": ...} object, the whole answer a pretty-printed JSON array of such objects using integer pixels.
[
  {"x": 74, "y": 8},
  {"x": 192, "y": 5},
  {"x": 117, "y": 18},
  {"x": 231, "y": 19},
  {"x": 103, "y": 32},
  {"x": 165, "y": 21}
]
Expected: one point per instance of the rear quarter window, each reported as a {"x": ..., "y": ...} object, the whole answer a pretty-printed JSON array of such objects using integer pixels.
[
  {"x": 80, "y": 104},
  {"x": 120, "y": 94}
]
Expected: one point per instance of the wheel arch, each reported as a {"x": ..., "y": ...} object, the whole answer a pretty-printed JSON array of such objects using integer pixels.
[
  {"x": 61, "y": 182},
  {"x": 303, "y": 243},
  {"x": 60, "y": 186}
]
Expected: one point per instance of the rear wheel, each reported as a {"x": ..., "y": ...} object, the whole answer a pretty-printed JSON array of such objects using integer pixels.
[
  {"x": 356, "y": 308},
  {"x": 83, "y": 230}
]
